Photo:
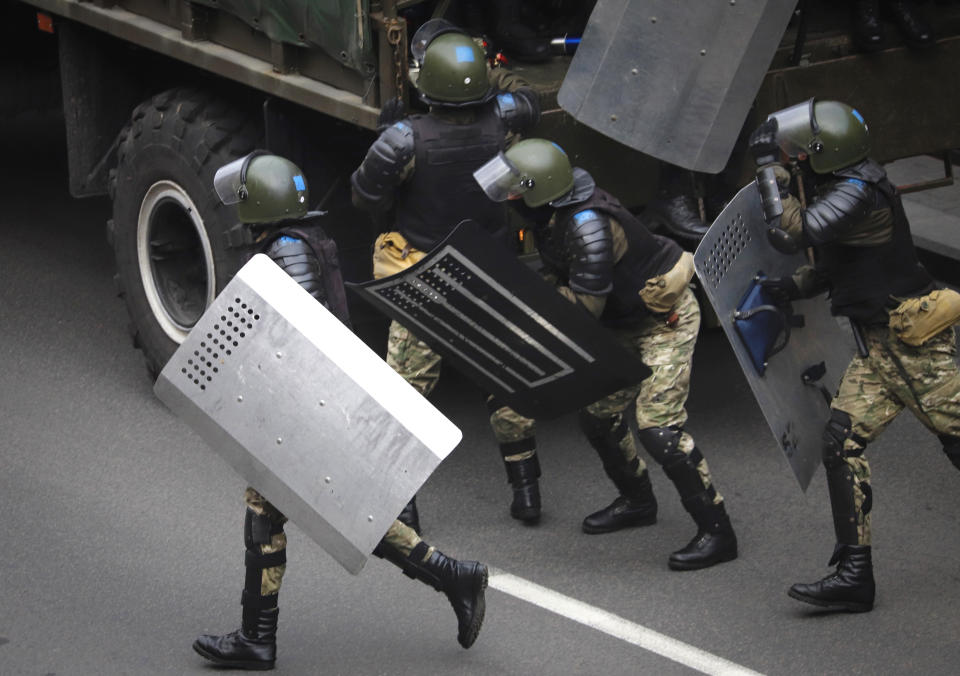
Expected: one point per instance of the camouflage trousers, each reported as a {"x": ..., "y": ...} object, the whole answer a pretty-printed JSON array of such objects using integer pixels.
[
  {"x": 399, "y": 536},
  {"x": 660, "y": 399},
  {"x": 876, "y": 388}
]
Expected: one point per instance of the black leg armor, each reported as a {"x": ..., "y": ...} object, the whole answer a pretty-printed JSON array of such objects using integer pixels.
[
  {"x": 840, "y": 481},
  {"x": 523, "y": 476},
  {"x": 410, "y": 515},
  {"x": 662, "y": 443},
  {"x": 951, "y": 446},
  {"x": 715, "y": 541},
  {"x": 636, "y": 506},
  {"x": 254, "y": 646},
  {"x": 605, "y": 435}
]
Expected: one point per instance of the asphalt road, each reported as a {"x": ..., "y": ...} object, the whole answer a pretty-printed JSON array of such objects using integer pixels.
[{"x": 121, "y": 530}]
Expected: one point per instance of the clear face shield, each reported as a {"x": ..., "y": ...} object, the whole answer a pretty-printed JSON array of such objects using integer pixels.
[
  {"x": 425, "y": 35},
  {"x": 228, "y": 181},
  {"x": 797, "y": 130},
  {"x": 501, "y": 180}
]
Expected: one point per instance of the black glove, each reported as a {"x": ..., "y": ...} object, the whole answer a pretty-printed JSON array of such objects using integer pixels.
[
  {"x": 763, "y": 143},
  {"x": 391, "y": 111},
  {"x": 782, "y": 290}
]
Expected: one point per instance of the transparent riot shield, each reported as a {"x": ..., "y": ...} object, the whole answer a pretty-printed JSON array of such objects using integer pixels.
[{"x": 792, "y": 356}]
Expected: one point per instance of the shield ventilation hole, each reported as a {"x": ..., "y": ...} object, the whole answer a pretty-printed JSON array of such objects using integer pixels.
[
  {"x": 729, "y": 243},
  {"x": 218, "y": 344}
]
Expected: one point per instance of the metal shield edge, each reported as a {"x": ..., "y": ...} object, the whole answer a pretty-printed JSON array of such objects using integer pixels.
[
  {"x": 732, "y": 252},
  {"x": 339, "y": 448},
  {"x": 670, "y": 82}
]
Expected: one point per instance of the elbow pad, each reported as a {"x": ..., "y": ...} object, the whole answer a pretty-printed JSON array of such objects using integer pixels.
[
  {"x": 832, "y": 216},
  {"x": 519, "y": 110},
  {"x": 589, "y": 242},
  {"x": 383, "y": 168}
]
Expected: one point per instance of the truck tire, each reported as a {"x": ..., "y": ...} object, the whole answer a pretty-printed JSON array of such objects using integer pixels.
[{"x": 168, "y": 229}]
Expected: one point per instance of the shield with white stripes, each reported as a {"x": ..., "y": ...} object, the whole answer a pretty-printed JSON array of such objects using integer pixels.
[{"x": 504, "y": 327}]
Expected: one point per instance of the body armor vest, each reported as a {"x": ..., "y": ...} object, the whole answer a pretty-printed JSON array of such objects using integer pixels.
[
  {"x": 647, "y": 256},
  {"x": 863, "y": 278},
  {"x": 442, "y": 192}
]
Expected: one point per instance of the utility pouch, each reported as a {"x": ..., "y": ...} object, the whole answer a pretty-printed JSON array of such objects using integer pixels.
[
  {"x": 917, "y": 320},
  {"x": 660, "y": 293},
  {"x": 392, "y": 254}
]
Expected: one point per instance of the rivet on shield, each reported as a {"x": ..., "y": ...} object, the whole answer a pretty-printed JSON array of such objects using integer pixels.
[
  {"x": 279, "y": 440},
  {"x": 327, "y": 479},
  {"x": 279, "y": 355},
  {"x": 239, "y": 397},
  {"x": 370, "y": 517}
]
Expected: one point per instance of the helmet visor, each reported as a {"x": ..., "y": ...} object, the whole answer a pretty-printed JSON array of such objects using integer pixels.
[
  {"x": 500, "y": 179},
  {"x": 227, "y": 181},
  {"x": 425, "y": 35},
  {"x": 796, "y": 128}
]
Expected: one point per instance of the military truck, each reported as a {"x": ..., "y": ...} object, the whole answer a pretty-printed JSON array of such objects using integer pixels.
[{"x": 157, "y": 94}]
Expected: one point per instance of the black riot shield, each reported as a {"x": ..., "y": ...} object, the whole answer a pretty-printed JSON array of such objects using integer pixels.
[
  {"x": 504, "y": 327},
  {"x": 673, "y": 79},
  {"x": 793, "y": 355}
]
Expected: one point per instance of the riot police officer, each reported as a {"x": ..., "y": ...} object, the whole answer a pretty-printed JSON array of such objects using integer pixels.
[
  {"x": 864, "y": 256},
  {"x": 637, "y": 283},
  {"x": 271, "y": 196},
  {"x": 418, "y": 174}
]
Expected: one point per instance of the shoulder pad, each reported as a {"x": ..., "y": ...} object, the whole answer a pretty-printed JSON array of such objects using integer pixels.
[
  {"x": 839, "y": 210},
  {"x": 519, "y": 110},
  {"x": 590, "y": 243}
]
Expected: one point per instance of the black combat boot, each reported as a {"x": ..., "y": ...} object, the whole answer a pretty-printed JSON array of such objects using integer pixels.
[
  {"x": 463, "y": 583},
  {"x": 867, "y": 27},
  {"x": 523, "y": 476},
  {"x": 253, "y": 646},
  {"x": 850, "y": 588},
  {"x": 715, "y": 541},
  {"x": 678, "y": 214},
  {"x": 913, "y": 27},
  {"x": 410, "y": 516},
  {"x": 636, "y": 506}
]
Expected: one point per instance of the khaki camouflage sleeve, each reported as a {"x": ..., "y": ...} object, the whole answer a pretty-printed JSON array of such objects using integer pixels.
[
  {"x": 505, "y": 80},
  {"x": 792, "y": 219},
  {"x": 593, "y": 304}
]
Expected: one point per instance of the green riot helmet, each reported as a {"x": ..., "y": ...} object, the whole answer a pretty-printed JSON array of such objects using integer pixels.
[
  {"x": 536, "y": 169},
  {"x": 832, "y": 135},
  {"x": 453, "y": 72},
  {"x": 266, "y": 188}
]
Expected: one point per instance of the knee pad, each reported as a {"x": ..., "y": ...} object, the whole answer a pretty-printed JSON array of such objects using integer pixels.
[{"x": 663, "y": 444}]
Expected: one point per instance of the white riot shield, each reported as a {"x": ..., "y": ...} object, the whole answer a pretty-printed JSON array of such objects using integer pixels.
[
  {"x": 305, "y": 412},
  {"x": 673, "y": 79},
  {"x": 793, "y": 364}
]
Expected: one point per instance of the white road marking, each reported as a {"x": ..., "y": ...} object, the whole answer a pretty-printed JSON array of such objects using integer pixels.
[{"x": 615, "y": 626}]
